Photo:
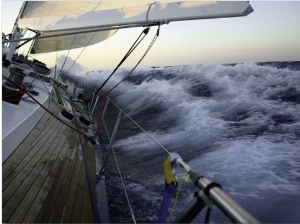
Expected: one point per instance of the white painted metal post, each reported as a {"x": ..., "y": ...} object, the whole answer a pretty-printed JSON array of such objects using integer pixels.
[{"x": 13, "y": 45}]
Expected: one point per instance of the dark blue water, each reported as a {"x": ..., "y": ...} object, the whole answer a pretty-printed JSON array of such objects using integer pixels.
[{"x": 238, "y": 124}]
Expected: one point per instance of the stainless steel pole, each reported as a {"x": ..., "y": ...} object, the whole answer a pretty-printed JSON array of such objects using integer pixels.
[{"x": 230, "y": 208}]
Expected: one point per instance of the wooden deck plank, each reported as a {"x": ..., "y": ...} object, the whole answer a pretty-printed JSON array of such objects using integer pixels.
[
  {"x": 23, "y": 170},
  {"x": 24, "y": 180},
  {"x": 76, "y": 213},
  {"x": 16, "y": 158},
  {"x": 44, "y": 180},
  {"x": 26, "y": 151},
  {"x": 35, "y": 208},
  {"x": 87, "y": 211},
  {"x": 91, "y": 158},
  {"x": 31, "y": 195},
  {"x": 44, "y": 131},
  {"x": 62, "y": 194},
  {"x": 87, "y": 215},
  {"x": 52, "y": 196},
  {"x": 69, "y": 203},
  {"x": 9, "y": 169}
]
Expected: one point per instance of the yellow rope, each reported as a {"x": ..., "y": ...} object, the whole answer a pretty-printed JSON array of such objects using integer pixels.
[{"x": 184, "y": 180}]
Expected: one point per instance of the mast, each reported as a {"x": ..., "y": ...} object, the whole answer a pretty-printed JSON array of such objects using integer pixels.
[{"x": 16, "y": 35}]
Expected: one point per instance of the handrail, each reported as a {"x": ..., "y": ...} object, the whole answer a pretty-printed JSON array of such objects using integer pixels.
[
  {"x": 210, "y": 192},
  {"x": 214, "y": 192}
]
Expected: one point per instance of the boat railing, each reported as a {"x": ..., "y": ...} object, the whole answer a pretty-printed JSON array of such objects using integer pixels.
[{"x": 210, "y": 193}]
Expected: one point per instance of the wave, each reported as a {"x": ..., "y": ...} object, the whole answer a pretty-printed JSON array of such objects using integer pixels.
[{"x": 239, "y": 124}]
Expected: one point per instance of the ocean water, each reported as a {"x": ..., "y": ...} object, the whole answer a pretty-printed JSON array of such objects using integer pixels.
[{"x": 237, "y": 124}]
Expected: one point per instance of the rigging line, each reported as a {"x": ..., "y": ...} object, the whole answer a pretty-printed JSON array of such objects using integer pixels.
[
  {"x": 120, "y": 174},
  {"x": 81, "y": 52},
  {"x": 55, "y": 68},
  {"x": 27, "y": 42},
  {"x": 59, "y": 74},
  {"x": 90, "y": 31},
  {"x": 132, "y": 48},
  {"x": 48, "y": 92},
  {"x": 184, "y": 180},
  {"x": 106, "y": 94},
  {"x": 150, "y": 136},
  {"x": 41, "y": 105}
]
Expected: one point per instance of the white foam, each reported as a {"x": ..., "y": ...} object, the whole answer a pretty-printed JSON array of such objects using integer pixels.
[
  {"x": 257, "y": 151},
  {"x": 253, "y": 165}
]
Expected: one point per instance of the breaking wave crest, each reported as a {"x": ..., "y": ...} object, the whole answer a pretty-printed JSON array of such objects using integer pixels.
[{"x": 238, "y": 124}]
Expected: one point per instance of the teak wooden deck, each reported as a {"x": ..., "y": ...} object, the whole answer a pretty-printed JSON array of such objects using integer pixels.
[{"x": 44, "y": 180}]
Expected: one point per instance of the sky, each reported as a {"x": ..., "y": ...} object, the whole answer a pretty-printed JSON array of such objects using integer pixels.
[{"x": 270, "y": 33}]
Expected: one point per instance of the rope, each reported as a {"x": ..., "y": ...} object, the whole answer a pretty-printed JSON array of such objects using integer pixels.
[
  {"x": 131, "y": 49},
  {"x": 133, "y": 121},
  {"x": 184, "y": 180},
  {"x": 15, "y": 96},
  {"x": 55, "y": 68},
  {"x": 59, "y": 74},
  {"x": 160, "y": 145},
  {"x": 122, "y": 181},
  {"x": 166, "y": 202},
  {"x": 81, "y": 52},
  {"x": 105, "y": 95},
  {"x": 18, "y": 86}
]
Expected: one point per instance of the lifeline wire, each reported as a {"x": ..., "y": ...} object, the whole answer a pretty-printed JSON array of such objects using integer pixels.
[
  {"x": 117, "y": 164},
  {"x": 167, "y": 151},
  {"x": 160, "y": 145}
]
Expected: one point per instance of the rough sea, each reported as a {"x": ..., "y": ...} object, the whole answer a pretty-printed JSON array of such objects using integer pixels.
[{"x": 238, "y": 124}]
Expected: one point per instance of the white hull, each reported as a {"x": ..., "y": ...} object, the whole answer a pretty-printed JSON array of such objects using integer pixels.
[{"x": 19, "y": 120}]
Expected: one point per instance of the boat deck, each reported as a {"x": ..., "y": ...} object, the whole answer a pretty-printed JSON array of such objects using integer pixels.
[{"x": 44, "y": 180}]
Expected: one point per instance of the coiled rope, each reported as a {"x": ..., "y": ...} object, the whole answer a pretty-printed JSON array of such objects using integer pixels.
[{"x": 16, "y": 95}]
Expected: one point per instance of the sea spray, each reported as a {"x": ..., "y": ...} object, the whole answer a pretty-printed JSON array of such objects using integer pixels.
[{"x": 238, "y": 124}]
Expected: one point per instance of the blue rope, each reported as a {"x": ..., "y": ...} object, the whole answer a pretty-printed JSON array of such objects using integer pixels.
[
  {"x": 165, "y": 205},
  {"x": 89, "y": 179}
]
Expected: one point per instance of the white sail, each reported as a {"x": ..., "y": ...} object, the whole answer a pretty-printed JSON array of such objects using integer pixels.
[
  {"x": 49, "y": 17},
  {"x": 59, "y": 42}
]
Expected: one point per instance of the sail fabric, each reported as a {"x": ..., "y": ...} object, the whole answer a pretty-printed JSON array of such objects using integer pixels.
[
  {"x": 61, "y": 17},
  {"x": 66, "y": 15},
  {"x": 59, "y": 42}
]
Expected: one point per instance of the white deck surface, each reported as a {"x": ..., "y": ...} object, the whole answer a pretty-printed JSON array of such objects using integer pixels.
[{"x": 19, "y": 120}]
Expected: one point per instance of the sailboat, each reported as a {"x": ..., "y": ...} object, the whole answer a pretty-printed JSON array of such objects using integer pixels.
[{"x": 52, "y": 163}]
